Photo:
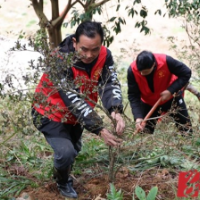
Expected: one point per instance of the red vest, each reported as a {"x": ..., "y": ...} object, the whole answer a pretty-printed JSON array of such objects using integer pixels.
[
  {"x": 163, "y": 78},
  {"x": 54, "y": 107}
]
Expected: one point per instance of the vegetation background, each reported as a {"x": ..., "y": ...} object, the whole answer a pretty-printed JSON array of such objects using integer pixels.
[{"x": 145, "y": 161}]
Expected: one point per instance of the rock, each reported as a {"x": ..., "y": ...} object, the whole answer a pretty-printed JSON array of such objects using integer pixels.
[
  {"x": 25, "y": 196},
  {"x": 14, "y": 65}
]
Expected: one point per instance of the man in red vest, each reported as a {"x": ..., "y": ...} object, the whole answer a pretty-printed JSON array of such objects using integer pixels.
[
  {"x": 65, "y": 98},
  {"x": 153, "y": 76}
]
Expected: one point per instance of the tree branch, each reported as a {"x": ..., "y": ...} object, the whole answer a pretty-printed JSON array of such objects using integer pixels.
[
  {"x": 60, "y": 19},
  {"x": 100, "y": 3},
  {"x": 91, "y": 5},
  {"x": 78, "y": 1},
  {"x": 191, "y": 38},
  {"x": 54, "y": 9},
  {"x": 38, "y": 7}
]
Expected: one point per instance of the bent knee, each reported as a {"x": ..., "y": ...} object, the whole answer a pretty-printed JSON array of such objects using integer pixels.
[{"x": 64, "y": 157}]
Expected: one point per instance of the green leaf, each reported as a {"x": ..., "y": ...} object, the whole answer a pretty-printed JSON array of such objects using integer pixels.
[
  {"x": 30, "y": 23},
  {"x": 197, "y": 143},
  {"x": 143, "y": 13},
  {"x": 140, "y": 193},
  {"x": 114, "y": 194},
  {"x": 131, "y": 12},
  {"x": 136, "y": 1},
  {"x": 158, "y": 12},
  {"x": 137, "y": 25},
  {"x": 112, "y": 19},
  {"x": 145, "y": 29},
  {"x": 118, "y": 6},
  {"x": 152, "y": 193}
]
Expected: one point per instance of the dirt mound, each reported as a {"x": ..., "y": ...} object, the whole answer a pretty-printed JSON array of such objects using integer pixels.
[{"x": 96, "y": 188}]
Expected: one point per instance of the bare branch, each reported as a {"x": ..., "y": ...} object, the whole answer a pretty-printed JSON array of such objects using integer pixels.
[
  {"x": 38, "y": 7},
  {"x": 191, "y": 38},
  {"x": 100, "y": 3},
  {"x": 78, "y": 1},
  {"x": 60, "y": 19}
]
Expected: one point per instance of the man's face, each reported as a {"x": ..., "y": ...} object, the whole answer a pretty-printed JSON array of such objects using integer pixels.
[{"x": 88, "y": 48}]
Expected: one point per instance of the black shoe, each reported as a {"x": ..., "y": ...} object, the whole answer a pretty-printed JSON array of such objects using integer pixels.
[
  {"x": 65, "y": 182},
  {"x": 67, "y": 189}
]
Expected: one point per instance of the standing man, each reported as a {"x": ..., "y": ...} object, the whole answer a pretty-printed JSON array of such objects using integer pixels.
[
  {"x": 68, "y": 109},
  {"x": 154, "y": 76}
]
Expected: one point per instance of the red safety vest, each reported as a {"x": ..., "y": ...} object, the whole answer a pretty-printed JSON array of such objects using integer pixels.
[
  {"x": 163, "y": 78},
  {"x": 54, "y": 107}
]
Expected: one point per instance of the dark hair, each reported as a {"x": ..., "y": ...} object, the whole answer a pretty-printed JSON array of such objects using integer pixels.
[
  {"x": 89, "y": 29},
  {"x": 145, "y": 60}
]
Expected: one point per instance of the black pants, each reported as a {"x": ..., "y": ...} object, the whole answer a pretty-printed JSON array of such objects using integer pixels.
[
  {"x": 180, "y": 114},
  {"x": 65, "y": 139}
]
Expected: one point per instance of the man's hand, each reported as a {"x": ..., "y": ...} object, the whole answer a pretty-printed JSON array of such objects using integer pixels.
[
  {"x": 165, "y": 95},
  {"x": 120, "y": 122},
  {"x": 110, "y": 139},
  {"x": 139, "y": 125}
]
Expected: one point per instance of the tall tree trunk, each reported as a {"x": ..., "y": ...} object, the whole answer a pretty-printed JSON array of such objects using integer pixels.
[{"x": 55, "y": 36}]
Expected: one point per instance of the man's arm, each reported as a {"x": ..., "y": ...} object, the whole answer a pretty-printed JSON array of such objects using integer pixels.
[
  {"x": 87, "y": 116},
  {"x": 109, "y": 87},
  {"x": 110, "y": 92},
  {"x": 63, "y": 81},
  {"x": 134, "y": 95},
  {"x": 179, "y": 69}
]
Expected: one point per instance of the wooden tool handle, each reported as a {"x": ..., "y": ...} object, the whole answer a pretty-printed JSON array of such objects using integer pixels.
[
  {"x": 149, "y": 114},
  {"x": 152, "y": 109}
]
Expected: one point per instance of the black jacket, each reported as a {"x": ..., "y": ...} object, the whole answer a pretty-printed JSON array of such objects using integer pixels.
[{"x": 108, "y": 88}]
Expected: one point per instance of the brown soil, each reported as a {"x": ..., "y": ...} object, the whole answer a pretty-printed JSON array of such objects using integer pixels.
[{"x": 96, "y": 188}]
